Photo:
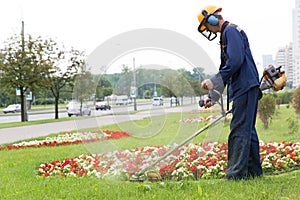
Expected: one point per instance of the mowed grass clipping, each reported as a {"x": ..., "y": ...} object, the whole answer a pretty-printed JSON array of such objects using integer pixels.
[{"x": 18, "y": 179}]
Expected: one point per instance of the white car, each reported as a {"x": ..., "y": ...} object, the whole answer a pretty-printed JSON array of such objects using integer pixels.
[
  {"x": 12, "y": 108},
  {"x": 70, "y": 104},
  {"x": 157, "y": 101},
  {"x": 75, "y": 110}
]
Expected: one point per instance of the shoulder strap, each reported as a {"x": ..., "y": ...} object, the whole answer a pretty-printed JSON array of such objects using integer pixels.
[
  {"x": 222, "y": 39},
  {"x": 223, "y": 43},
  {"x": 223, "y": 47}
]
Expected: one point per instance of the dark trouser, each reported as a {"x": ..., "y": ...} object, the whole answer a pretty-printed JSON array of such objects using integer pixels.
[{"x": 243, "y": 144}]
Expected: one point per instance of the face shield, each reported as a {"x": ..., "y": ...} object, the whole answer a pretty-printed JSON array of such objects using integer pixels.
[{"x": 207, "y": 33}]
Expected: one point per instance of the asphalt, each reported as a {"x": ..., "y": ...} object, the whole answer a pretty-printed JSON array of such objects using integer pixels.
[{"x": 10, "y": 135}]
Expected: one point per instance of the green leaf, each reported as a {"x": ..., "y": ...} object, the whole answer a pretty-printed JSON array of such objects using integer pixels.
[
  {"x": 144, "y": 187},
  {"x": 200, "y": 192}
]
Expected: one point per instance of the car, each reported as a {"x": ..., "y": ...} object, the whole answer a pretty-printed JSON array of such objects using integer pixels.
[
  {"x": 70, "y": 104},
  {"x": 75, "y": 110},
  {"x": 122, "y": 100},
  {"x": 157, "y": 101},
  {"x": 102, "y": 106},
  {"x": 12, "y": 108},
  {"x": 174, "y": 101}
]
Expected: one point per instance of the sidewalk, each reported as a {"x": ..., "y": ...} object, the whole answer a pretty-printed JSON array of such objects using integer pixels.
[{"x": 9, "y": 135}]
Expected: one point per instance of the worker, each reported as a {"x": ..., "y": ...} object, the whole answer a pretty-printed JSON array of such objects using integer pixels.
[{"x": 238, "y": 72}]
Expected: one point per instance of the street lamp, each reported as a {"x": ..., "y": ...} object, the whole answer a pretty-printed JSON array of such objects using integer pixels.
[
  {"x": 134, "y": 91},
  {"x": 24, "y": 116},
  {"x": 155, "y": 92}
]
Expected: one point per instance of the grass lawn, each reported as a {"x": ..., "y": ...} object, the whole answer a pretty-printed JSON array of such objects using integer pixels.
[{"x": 18, "y": 179}]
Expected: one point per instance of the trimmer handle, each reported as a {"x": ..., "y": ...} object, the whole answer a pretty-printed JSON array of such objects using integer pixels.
[{"x": 201, "y": 102}]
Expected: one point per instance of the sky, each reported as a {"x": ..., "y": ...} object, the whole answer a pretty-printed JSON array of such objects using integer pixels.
[{"x": 85, "y": 25}]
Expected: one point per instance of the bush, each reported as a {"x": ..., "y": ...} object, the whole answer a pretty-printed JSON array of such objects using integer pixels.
[
  {"x": 292, "y": 125},
  {"x": 278, "y": 102},
  {"x": 286, "y": 97},
  {"x": 266, "y": 109},
  {"x": 296, "y": 100}
]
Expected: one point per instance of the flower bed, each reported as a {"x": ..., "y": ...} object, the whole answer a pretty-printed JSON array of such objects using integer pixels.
[
  {"x": 192, "y": 161},
  {"x": 202, "y": 119},
  {"x": 69, "y": 138},
  {"x": 197, "y": 119},
  {"x": 205, "y": 111}
]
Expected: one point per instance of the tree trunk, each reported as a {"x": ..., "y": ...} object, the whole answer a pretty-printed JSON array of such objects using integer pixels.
[
  {"x": 24, "y": 116},
  {"x": 56, "y": 107}
]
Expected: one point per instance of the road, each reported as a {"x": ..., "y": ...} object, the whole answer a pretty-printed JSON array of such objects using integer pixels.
[
  {"x": 40, "y": 115},
  {"x": 9, "y": 135}
]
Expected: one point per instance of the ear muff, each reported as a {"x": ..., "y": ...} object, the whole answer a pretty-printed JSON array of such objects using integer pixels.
[{"x": 213, "y": 20}]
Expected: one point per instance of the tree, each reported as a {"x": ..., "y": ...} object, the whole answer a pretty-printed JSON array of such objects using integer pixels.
[
  {"x": 198, "y": 74},
  {"x": 168, "y": 82},
  {"x": 7, "y": 97},
  {"x": 285, "y": 96},
  {"x": 296, "y": 100},
  {"x": 198, "y": 91},
  {"x": 66, "y": 64},
  {"x": 124, "y": 82},
  {"x": 266, "y": 109},
  {"x": 84, "y": 87},
  {"x": 103, "y": 88},
  {"x": 25, "y": 64},
  {"x": 182, "y": 86},
  {"x": 293, "y": 125},
  {"x": 278, "y": 101}
]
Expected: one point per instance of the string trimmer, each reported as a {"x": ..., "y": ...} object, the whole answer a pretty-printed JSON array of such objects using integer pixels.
[
  {"x": 139, "y": 177},
  {"x": 272, "y": 78}
]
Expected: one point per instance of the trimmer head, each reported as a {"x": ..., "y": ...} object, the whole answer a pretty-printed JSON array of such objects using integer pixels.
[
  {"x": 152, "y": 176},
  {"x": 137, "y": 179}
]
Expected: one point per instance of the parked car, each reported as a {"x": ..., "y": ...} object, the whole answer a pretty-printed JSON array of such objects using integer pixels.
[
  {"x": 174, "y": 101},
  {"x": 70, "y": 104},
  {"x": 12, "y": 108},
  {"x": 102, "y": 106},
  {"x": 75, "y": 110},
  {"x": 123, "y": 100},
  {"x": 157, "y": 101}
]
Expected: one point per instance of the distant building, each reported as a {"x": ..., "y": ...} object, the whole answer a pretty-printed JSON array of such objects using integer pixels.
[
  {"x": 268, "y": 59},
  {"x": 296, "y": 44},
  {"x": 296, "y": 72},
  {"x": 284, "y": 58}
]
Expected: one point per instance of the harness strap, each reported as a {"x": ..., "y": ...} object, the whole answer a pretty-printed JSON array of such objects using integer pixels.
[
  {"x": 222, "y": 39},
  {"x": 223, "y": 47}
]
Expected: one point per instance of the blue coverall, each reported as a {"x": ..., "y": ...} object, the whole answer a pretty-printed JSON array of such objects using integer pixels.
[{"x": 239, "y": 72}]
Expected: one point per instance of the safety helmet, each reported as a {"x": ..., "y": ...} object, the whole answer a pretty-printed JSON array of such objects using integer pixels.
[{"x": 203, "y": 17}]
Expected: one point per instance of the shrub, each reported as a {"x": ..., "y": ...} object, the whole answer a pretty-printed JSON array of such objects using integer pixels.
[
  {"x": 292, "y": 125},
  {"x": 296, "y": 100},
  {"x": 286, "y": 97},
  {"x": 266, "y": 109},
  {"x": 278, "y": 102}
]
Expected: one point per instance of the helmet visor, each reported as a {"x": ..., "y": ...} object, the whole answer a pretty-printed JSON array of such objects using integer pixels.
[{"x": 206, "y": 33}]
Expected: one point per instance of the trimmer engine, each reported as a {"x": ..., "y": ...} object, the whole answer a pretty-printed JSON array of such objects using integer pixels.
[{"x": 273, "y": 78}]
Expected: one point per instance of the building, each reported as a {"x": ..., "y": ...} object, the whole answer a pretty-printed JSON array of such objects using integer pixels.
[
  {"x": 284, "y": 58},
  {"x": 296, "y": 44},
  {"x": 267, "y": 60},
  {"x": 296, "y": 72}
]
